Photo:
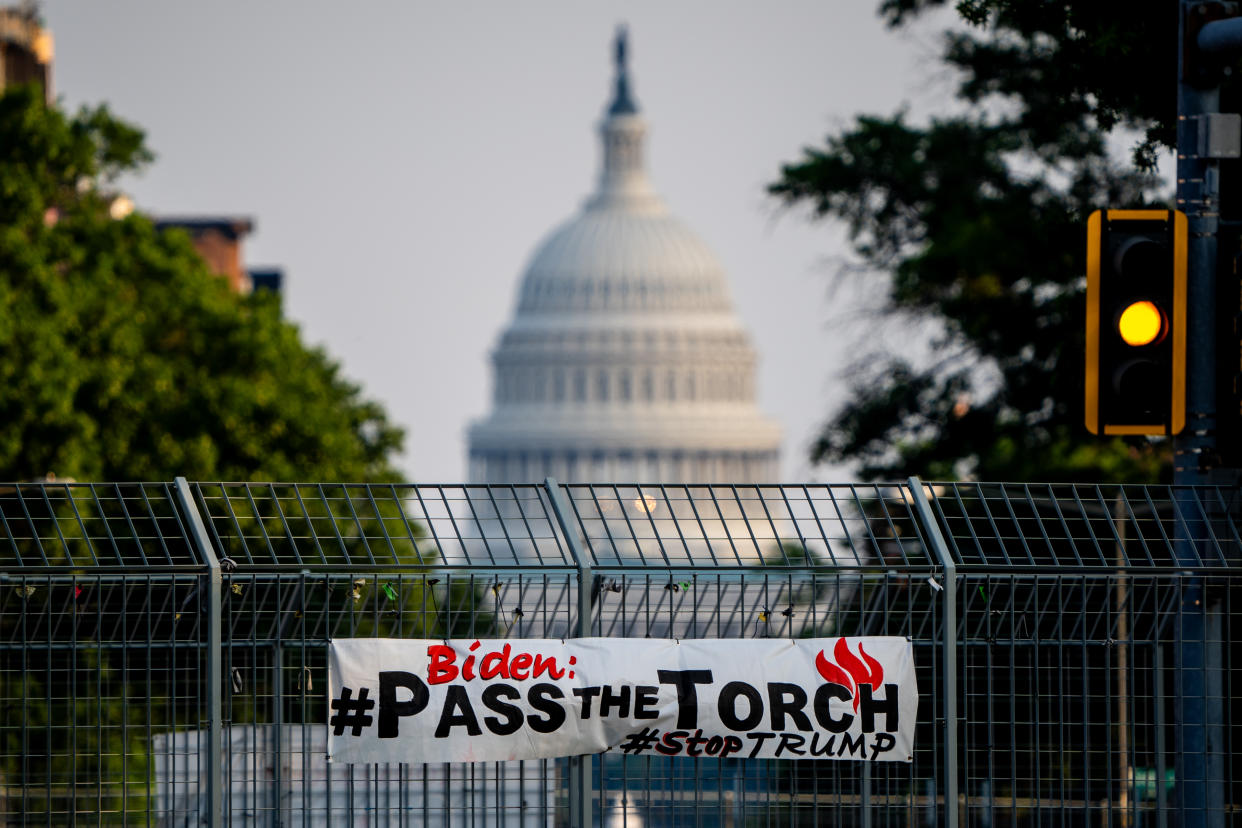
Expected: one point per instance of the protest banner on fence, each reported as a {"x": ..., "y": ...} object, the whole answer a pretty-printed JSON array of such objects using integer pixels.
[{"x": 401, "y": 700}]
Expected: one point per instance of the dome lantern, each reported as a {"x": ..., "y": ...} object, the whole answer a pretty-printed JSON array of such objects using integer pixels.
[{"x": 623, "y": 133}]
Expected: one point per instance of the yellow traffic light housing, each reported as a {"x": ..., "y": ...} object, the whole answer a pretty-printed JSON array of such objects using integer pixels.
[{"x": 1136, "y": 322}]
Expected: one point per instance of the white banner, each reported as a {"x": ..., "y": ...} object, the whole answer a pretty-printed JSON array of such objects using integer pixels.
[{"x": 400, "y": 700}]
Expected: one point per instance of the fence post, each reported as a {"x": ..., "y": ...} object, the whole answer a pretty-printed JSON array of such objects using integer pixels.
[
  {"x": 580, "y": 793},
  {"x": 931, "y": 534},
  {"x": 215, "y": 676}
]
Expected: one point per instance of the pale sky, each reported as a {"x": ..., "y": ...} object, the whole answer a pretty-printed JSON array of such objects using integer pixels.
[{"x": 402, "y": 160}]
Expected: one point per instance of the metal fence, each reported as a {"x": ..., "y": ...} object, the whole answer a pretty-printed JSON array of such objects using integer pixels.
[{"x": 163, "y": 646}]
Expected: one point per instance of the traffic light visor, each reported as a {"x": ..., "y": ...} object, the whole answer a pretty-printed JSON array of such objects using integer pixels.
[{"x": 1141, "y": 323}]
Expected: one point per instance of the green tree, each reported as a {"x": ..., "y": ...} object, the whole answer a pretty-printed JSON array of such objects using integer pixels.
[
  {"x": 976, "y": 220},
  {"x": 122, "y": 357}
]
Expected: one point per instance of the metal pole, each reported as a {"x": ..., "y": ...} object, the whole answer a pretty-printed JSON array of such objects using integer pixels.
[
  {"x": 865, "y": 796},
  {"x": 1200, "y": 796},
  {"x": 1162, "y": 803},
  {"x": 215, "y": 673},
  {"x": 931, "y": 533},
  {"x": 580, "y": 793},
  {"x": 1221, "y": 36},
  {"x": 1122, "y": 597},
  {"x": 1198, "y": 195}
]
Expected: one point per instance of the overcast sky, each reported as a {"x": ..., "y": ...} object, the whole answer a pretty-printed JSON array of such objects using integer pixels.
[{"x": 401, "y": 161}]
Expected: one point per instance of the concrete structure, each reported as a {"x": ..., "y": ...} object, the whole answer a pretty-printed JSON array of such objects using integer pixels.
[
  {"x": 26, "y": 49},
  {"x": 218, "y": 239},
  {"x": 624, "y": 360}
]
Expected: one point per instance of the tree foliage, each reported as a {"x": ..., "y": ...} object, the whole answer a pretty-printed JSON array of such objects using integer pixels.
[
  {"x": 976, "y": 220},
  {"x": 122, "y": 357}
]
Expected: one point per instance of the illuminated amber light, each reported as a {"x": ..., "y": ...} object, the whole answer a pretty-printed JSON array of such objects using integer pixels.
[{"x": 1141, "y": 323}]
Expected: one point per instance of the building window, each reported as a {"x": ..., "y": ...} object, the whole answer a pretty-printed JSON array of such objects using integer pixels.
[
  {"x": 558, "y": 385},
  {"x": 580, "y": 385},
  {"x": 625, "y": 391},
  {"x": 601, "y": 386}
]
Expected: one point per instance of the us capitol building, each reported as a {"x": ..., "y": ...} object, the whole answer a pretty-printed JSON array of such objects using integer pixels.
[{"x": 624, "y": 360}]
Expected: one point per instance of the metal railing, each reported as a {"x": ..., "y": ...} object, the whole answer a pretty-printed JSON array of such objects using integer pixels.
[{"x": 163, "y": 645}]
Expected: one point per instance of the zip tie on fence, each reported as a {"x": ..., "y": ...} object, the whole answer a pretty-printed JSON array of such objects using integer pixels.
[
  {"x": 305, "y": 674},
  {"x": 236, "y": 587},
  {"x": 934, "y": 583},
  {"x": 185, "y": 602},
  {"x": 390, "y": 592},
  {"x": 236, "y": 677}
]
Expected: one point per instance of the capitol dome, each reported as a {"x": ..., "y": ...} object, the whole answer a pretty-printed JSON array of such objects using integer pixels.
[{"x": 624, "y": 360}]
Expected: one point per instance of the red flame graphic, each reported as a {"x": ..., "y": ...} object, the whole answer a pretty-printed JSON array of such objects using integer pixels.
[{"x": 856, "y": 671}]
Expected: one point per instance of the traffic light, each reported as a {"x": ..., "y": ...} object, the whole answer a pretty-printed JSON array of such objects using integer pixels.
[{"x": 1136, "y": 322}]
